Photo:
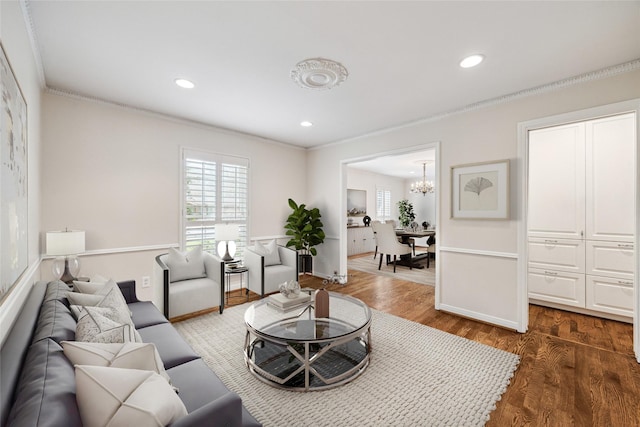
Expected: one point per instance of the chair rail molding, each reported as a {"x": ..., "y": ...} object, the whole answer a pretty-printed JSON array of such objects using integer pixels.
[
  {"x": 108, "y": 251},
  {"x": 479, "y": 252}
]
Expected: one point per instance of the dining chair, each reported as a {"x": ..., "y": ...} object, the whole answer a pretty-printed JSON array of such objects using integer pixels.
[
  {"x": 374, "y": 225},
  {"x": 388, "y": 244},
  {"x": 408, "y": 240},
  {"x": 431, "y": 248}
]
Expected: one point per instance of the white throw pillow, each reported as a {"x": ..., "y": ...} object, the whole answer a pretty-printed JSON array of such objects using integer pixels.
[
  {"x": 107, "y": 295},
  {"x": 104, "y": 324},
  {"x": 117, "y": 355},
  {"x": 269, "y": 252},
  {"x": 94, "y": 281},
  {"x": 185, "y": 266},
  {"x": 125, "y": 397},
  {"x": 96, "y": 278}
]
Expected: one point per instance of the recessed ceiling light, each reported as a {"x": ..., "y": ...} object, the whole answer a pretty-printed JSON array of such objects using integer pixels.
[
  {"x": 184, "y": 83},
  {"x": 471, "y": 61},
  {"x": 306, "y": 124}
]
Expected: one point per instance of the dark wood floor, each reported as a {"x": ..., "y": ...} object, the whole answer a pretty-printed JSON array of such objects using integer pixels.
[{"x": 575, "y": 370}]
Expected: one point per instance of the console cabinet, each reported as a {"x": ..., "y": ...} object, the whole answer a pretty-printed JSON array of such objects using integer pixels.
[
  {"x": 360, "y": 240},
  {"x": 581, "y": 215}
]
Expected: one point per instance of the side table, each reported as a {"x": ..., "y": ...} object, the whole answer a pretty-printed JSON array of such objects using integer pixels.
[{"x": 228, "y": 272}]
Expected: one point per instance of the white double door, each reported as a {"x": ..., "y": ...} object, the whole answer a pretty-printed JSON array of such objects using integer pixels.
[{"x": 581, "y": 214}]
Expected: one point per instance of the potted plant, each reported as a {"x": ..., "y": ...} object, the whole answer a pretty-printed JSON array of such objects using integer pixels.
[
  {"x": 406, "y": 212},
  {"x": 304, "y": 228}
]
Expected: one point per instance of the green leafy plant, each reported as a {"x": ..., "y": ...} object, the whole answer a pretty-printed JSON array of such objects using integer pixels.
[
  {"x": 304, "y": 228},
  {"x": 406, "y": 212}
]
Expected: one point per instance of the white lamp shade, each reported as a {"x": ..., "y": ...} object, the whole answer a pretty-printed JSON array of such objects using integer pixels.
[
  {"x": 226, "y": 232},
  {"x": 65, "y": 242}
]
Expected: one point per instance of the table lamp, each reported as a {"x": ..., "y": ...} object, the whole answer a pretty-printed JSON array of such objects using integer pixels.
[
  {"x": 225, "y": 234},
  {"x": 65, "y": 245}
]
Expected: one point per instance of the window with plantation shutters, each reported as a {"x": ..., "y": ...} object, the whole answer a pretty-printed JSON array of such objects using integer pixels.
[
  {"x": 214, "y": 191},
  {"x": 383, "y": 204}
]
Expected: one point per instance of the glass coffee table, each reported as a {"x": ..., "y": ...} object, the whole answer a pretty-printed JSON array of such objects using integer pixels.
[{"x": 297, "y": 351}]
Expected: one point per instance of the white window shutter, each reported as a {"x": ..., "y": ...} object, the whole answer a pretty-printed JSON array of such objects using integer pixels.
[{"x": 215, "y": 191}]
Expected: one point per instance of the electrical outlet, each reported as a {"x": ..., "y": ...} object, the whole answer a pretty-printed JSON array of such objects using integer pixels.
[{"x": 146, "y": 281}]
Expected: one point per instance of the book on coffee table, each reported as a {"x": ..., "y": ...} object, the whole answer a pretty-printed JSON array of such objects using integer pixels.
[{"x": 281, "y": 302}]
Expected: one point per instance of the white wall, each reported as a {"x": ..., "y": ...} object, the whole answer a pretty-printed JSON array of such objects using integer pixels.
[
  {"x": 17, "y": 48},
  {"x": 485, "y": 134},
  {"x": 115, "y": 173},
  {"x": 359, "y": 179},
  {"x": 424, "y": 205}
]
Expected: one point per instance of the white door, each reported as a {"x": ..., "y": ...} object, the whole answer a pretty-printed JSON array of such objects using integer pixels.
[
  {"x": 556, "y": 182},
  {"x": 610, "y": 184}
]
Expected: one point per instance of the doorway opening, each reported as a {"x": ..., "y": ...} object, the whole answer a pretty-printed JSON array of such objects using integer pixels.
[{"x": 382, "y": 180}]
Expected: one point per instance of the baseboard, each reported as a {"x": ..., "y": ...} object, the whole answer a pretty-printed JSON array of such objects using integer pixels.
[
  {"x": 481, "y": 317},
  {"x": 194, "y": 314}
]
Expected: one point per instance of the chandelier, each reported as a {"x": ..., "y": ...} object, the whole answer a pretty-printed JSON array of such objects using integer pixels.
[{"x": 423, "y": 186}]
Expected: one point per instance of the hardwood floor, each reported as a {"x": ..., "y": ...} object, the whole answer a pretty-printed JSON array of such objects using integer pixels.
[{"x": 575, "y": 370}]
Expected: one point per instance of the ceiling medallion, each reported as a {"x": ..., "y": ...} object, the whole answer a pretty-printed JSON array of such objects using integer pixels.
[{"x": 319, "y": 73}]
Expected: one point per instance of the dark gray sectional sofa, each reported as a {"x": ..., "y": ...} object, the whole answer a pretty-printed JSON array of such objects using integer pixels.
[{"x": 38, "y": 383}]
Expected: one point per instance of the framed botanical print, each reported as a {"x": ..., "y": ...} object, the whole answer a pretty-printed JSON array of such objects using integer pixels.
[{"x": 480, "y": 190}]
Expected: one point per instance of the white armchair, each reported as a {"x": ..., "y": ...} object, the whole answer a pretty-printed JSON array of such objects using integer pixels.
[
  {"x": 190, "y": 285},
  {"x": 269, "y": 266}
]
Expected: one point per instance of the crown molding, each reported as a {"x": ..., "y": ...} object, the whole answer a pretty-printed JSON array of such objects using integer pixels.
[
  {"x": 33, "y": 41},
  {"x": 538, "y": 90}
]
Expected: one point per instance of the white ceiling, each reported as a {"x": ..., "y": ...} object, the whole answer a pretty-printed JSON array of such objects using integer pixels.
[
  {"x": 406, "y": 166},
  {"x": 402, "y": 57}
]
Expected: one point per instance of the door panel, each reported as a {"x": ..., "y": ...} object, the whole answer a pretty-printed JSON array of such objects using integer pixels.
[
  {"x": 556, "y": 182},
  {"x": 610, "y": 178}
]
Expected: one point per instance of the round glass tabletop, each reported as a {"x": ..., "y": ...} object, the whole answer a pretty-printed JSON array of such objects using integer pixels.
[{"x": 346, "y": 315}]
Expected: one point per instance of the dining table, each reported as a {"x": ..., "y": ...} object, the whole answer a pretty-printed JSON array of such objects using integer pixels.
[{"x": 405, "y": 235}]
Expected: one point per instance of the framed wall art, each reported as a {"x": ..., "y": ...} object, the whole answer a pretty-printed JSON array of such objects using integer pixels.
[
  {"x": 480, "y": 190},
  {"x": 356, "y": 202},
  {"x": 13, "y": 171}
]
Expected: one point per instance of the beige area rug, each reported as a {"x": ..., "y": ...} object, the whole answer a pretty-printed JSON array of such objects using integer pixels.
[
  {"x": 366, "y": 263},
  {"x": 418, "y": 376}
]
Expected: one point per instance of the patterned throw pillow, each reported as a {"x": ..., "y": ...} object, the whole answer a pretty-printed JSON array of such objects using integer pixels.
[
  {"x": 125, "y": 355},
  {"x": 125, "y": 397},
  {"x": 103, "y": 324}
]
